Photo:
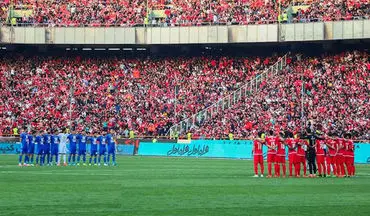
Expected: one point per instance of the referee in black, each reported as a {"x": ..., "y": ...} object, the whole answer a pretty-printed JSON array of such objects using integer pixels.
[{"x": 311, "y": 136}]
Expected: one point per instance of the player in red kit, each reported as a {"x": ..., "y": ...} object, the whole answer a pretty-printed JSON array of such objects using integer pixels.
[
  {"x": 340, "y": 157},
  {"x": 320, "y": 157},
  {"x": 301, "y": 157},
  {"x": 292, "y": 153},
  {"x": 258, "y": 154},
  {"x": 280, "y": 155},
  {"x": 271, "y": 152},
  {"x": 331, "y": 159},
  {"x": 349, "y": 155}
]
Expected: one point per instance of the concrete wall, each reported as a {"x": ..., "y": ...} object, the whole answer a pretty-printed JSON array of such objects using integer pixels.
[{"x": 316, "y": 31}]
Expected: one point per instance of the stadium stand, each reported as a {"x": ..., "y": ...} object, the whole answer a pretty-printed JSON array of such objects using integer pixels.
[
  {"x": 134, "y": 94},
  {"x": 177, "y": 12},
  {"x": 335, "y": 97},
  {"x": 138, "y": 94}
]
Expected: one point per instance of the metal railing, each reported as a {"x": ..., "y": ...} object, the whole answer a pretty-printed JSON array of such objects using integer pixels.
[{"x": 227, "y": 101}]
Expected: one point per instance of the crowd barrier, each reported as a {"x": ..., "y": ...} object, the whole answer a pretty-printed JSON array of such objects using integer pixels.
[{"x": 239, "y": 149}]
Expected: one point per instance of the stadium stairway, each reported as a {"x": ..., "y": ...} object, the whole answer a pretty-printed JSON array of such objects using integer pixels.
[{"x": 252, "y": 86}]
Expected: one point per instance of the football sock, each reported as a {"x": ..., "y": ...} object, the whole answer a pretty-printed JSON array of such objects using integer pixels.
[
  {"x": 255, "y": 168},
  {"x": 276, "y": 168},
  {"x": 262, "y": 167},
  {"x": 269, "y": 168},
  {"x": 320, "y": 170}
]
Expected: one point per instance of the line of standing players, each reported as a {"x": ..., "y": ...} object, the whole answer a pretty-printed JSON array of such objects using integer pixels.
[
  {"x": 327, "y": 155},
  {"x": 49, "y": 147}
]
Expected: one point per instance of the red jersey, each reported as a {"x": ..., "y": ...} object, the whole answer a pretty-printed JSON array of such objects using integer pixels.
[
  {"x": 300, "y": 148},
  {"x": 340, "y": 146},
  {"x": 320, "y": 146},
  {"x": 257, "y": 148},
  {"x": 349, "y": 148},
  {"x": 292, "y": 143},
  {"x": 332, "y": 151},
  {"x": 280, "y": 147},
  {"x": 271, "y": 141}
]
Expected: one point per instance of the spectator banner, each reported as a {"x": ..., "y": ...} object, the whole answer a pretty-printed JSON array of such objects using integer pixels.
[
  {"x": 125, "y": 149},
  {"x": 14, "y": 148},
  {"x": 362, "y": 153},
  {"x": 200, "y": 148},
  {"x": 9, "y": 148}
]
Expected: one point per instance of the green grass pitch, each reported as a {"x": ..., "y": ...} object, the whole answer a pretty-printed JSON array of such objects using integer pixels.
[{"x": 174, "y": 186}]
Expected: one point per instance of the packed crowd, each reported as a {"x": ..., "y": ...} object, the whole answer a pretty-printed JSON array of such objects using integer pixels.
[
  {"x": 333, "y": 10},
  {"x": 180, "y": 12},
  {"x": 83, "y": 12},
  {"x": 335, "y": 99},
  {"x": 110, "y": 92}
]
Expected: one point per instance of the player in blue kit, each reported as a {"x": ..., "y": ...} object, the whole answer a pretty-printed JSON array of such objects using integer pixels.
[
  {"x": 93, "y": 148},
  {"x": 82, "y": 140},
  {"x": 24, "y": 139},
  {"x": 31, "y": 147},
  {"x": 111, "y": 147},
  {"x": 47, "y": 148},
  {"x": 102, "y": 149},
  {"x": 55, "y": 141},
  {"x": 40, "y": 149},
  {"x": 72, "y": 148}
]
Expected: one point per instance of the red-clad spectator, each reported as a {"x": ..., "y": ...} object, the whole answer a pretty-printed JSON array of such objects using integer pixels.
[{"x": 140, "y": 93}]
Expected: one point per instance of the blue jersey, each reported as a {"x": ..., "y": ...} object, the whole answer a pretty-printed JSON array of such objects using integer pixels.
[
  {"x": 47, "y": 142},
  {"x": 110, "y": 141},
  {"x": 81, "y": 142},
  {"x": 94, "y": 143},
  {"x": 111, "y": 144},
  {"x": 25, "y": 141},
  {"x": 32, "y": 143},
  {"x": 102, "y": 144},
  {"x": 72, "y": 140},
  {"x": 40, "y": 144},
  {"x": 55, "y": 140}
]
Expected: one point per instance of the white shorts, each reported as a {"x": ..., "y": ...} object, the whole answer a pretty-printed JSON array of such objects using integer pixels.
[{"x": 62, "y": 148}]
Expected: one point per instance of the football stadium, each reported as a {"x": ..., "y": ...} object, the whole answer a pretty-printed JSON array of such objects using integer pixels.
[{"x": 184, "y": 107}]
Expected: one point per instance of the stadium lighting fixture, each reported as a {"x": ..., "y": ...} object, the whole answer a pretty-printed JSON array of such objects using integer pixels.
[
  {"x": 141, "y": 49},
  {"x": 99, "y": 49},
  {"x": 86, "y": 49},
  {"x": 114, "y": 49},
  {"x": 126, "y": 49},
  {"x": 4, "y": 48}
]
